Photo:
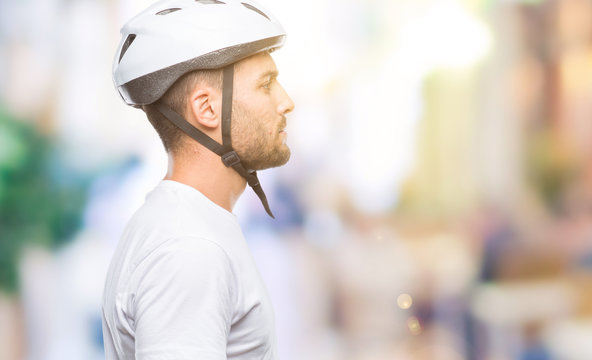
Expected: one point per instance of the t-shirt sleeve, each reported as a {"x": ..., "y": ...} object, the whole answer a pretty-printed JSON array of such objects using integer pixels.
[{"x": 184, "y": 301}]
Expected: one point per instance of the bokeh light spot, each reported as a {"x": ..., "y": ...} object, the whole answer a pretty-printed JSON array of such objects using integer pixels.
[
  {"x": 414, "y": 325},
  {"x": 404, "y": 301}
]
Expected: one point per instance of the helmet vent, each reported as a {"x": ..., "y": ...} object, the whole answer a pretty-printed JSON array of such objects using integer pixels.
[
  {"x": 128, "y": 41},
  {"x": 167, "y": 11},
  {"x": 251, "y": 7},
  {"x": 208, "y": 2}
]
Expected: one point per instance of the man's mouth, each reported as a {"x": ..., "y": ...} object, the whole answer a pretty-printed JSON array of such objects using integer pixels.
[{"x": 283, "y": 126}]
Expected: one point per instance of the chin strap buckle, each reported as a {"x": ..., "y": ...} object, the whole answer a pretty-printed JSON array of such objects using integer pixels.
[{"x": 230, "y": 159}]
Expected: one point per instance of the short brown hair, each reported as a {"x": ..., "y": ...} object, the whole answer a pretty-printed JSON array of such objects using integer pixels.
[{"x": 176, "y": 98}]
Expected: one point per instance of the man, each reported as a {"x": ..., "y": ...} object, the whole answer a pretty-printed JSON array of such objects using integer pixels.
[{"x": 182, "y": 283}]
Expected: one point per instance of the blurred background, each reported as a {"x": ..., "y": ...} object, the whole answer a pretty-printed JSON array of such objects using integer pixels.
[{"x": 438, "y": 203}]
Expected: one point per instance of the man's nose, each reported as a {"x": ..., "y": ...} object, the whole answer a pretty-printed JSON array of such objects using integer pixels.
[{"x": 286, "y": 104}]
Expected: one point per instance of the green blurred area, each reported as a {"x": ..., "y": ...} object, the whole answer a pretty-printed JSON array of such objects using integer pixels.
[{"x": 41, "y": 200}]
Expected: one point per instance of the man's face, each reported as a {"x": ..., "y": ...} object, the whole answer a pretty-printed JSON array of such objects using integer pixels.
[{"x": 258, "y": 114}]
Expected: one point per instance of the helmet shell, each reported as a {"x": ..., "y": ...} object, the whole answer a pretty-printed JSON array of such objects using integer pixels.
[{"x": 173, "y": 37}]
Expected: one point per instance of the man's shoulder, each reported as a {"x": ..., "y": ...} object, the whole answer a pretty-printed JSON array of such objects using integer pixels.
[{"x": 168, "y": 214}]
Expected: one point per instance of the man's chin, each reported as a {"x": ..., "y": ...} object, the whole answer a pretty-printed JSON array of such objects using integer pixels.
[
  {"x": 280, "y": 158},
  {"x": 284, "y": 160}
]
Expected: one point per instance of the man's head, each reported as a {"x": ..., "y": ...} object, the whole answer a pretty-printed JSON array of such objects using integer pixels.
[{"x": 258, "y": 112}]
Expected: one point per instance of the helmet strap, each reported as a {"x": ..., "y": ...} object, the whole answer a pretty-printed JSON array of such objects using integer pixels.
[
  {"x": 227, "y": 91},
  {"x": 229, "y": 157}
]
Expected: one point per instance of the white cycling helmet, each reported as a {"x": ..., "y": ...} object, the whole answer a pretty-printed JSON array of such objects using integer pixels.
[{"x": 174, "y": 37}]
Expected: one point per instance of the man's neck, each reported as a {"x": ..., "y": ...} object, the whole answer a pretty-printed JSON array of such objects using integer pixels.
[{"x": 204, "y": 171}]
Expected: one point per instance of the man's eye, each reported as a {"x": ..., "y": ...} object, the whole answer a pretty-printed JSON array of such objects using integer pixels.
[{"x": 267, "y": 84}]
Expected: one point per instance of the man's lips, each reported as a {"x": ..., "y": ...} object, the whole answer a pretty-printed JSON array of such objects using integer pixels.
[{"x": 283, "y": 125}]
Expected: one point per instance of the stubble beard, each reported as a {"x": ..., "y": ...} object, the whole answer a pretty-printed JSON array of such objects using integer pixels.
[{"x": 256, "y": 150}]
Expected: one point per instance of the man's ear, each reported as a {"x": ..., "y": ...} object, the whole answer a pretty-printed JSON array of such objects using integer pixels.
[{"x": 204, "y": 105}]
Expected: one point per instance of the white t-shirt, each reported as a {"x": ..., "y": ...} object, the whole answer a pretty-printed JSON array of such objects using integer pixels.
[{"x": 182, "y": 284}]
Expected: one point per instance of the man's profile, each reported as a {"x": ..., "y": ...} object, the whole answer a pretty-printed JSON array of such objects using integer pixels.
[{"x": 182, "y": 283}]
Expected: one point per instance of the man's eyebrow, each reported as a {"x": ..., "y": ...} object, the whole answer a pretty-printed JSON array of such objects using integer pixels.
[{"x": 272, "y": 74}]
